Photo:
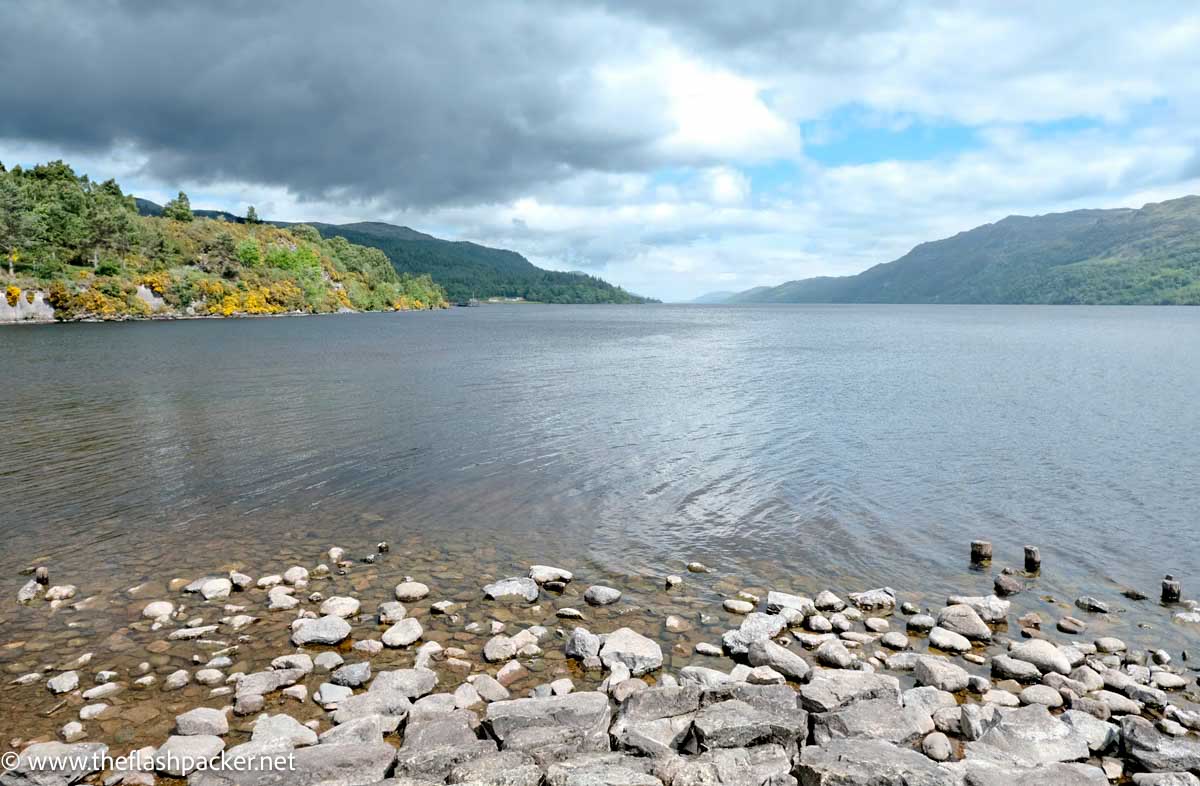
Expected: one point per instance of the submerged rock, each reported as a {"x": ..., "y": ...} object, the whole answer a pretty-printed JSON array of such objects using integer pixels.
[{"x": 516, "y": 587}]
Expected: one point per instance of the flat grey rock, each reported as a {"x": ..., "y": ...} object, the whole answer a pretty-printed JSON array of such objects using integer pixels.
[
  {"x": 1028, "y": 737},
  {"x": 849, "y": 762},
  {"x": 351, "y": 764},
  {"x": 587, "y": 712},
  {"x": 831, "y": 689},
  {"x": 79, "y": 760},
  {"x": 876, "y": 719}
]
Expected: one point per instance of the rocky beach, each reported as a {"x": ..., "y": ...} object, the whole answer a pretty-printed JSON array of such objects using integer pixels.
[{"x": 359, "y": 668}]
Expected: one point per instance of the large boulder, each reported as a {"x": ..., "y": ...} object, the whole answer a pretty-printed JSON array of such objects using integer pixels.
[
  {"x": 941, "y": 674},
  {"x": 874, "y": 600},
  {"x": 348, "y": 764},
  {"x": 1028, "y": 737},
  {"x": 435, "y": 744},
  {"x": 639, "y": 653},
  {"x": 656, "y": 721},
  {"x": 1156, "y": 751},
  {"x": 831, "y": 689},
  {"x": 737, "y": 724},
  {"x": 586, "y": 712},
  {"x": 980, "y": 772},
  {"x": 783, "y": 660},
  {"x": 392, "y": 705},
  {"x": 876, "y": 719},
  {"x": 849, "y": 762},
  {"x": 602, "y": 769},
  {"x": 1043, "y": 654},
  {"x": 754, "y": 627},
  {"x": 763, "y": 764}
]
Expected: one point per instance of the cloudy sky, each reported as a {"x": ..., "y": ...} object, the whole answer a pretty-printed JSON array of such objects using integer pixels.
[{"x": 672, "y": 146}]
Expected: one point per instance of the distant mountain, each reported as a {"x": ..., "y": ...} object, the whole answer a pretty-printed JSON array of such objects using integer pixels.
[
  {"x": 713, "y": 297},
  {"x": 465, "y": 270},
  {"x": 1122, "y": 256}
]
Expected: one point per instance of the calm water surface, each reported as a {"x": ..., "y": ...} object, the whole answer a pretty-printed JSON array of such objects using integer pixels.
[
  {"x": 792, "y": 448},
  {"x": 850, "y": 445}
]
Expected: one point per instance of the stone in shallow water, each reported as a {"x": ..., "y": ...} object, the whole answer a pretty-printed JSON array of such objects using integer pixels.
[
  {"x": 871, "y": 600},
  {"x": 403, "y": 633},
  {"x": 1043, "y": 654},
  {"x": 282, "y": 727},
  {"x": 410, "y": 591},
  {"x": 965, "y": 621},
  {"x": 202, "y": 720},
  {"x": 948, "y": 640},
  {"x": 340, "y": 606},
  {"x": 413, "y": 683},
  {"x": 179, "y": 756},
  {"x": 599, "y": 595},
  {"x": 352, "y": 675},
  {"x": 63, "y": 683},
  {"x": 516, "y": 587},
  {"x": 544, "y": 573},
  {"x": 326, "y": 630},
  {"x": 990, "y": 608}
]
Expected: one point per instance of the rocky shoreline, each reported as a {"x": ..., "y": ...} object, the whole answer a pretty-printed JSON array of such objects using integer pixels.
[{"x": 540, "y": 681}]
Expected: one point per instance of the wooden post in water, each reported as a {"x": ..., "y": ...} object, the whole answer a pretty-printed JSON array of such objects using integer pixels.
[
  {"x": 981, "y": 552},
  {"x": 42, "y": 576},
  {"x": 1171, "y": 589},
  {"x": 1033, "y": 559}
]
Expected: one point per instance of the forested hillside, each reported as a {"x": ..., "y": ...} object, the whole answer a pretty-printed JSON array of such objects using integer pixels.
[
  {"x": 468, "y": 270},
  {"x": 1123, "y": 256},
  {"x": 83, "y": 249}
]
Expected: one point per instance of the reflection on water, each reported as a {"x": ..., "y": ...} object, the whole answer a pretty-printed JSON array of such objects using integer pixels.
[{"x": 791, "y": 448}]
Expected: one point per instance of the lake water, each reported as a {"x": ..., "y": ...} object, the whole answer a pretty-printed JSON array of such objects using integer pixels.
[
  {"x": 788, "y": 447},
  {"x": 846, "y": 443}
]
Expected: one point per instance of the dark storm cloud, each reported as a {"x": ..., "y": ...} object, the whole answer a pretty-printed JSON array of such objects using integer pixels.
[{"x": 421, "y": 103}]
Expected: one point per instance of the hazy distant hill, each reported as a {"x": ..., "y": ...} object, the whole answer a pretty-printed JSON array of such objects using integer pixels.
[
  {"x": 713, "y": 297},
  {"x": 1122, "y": 256}
]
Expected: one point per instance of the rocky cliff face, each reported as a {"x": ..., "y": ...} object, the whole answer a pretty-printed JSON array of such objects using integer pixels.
[{"x": 20, "y": 307}]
